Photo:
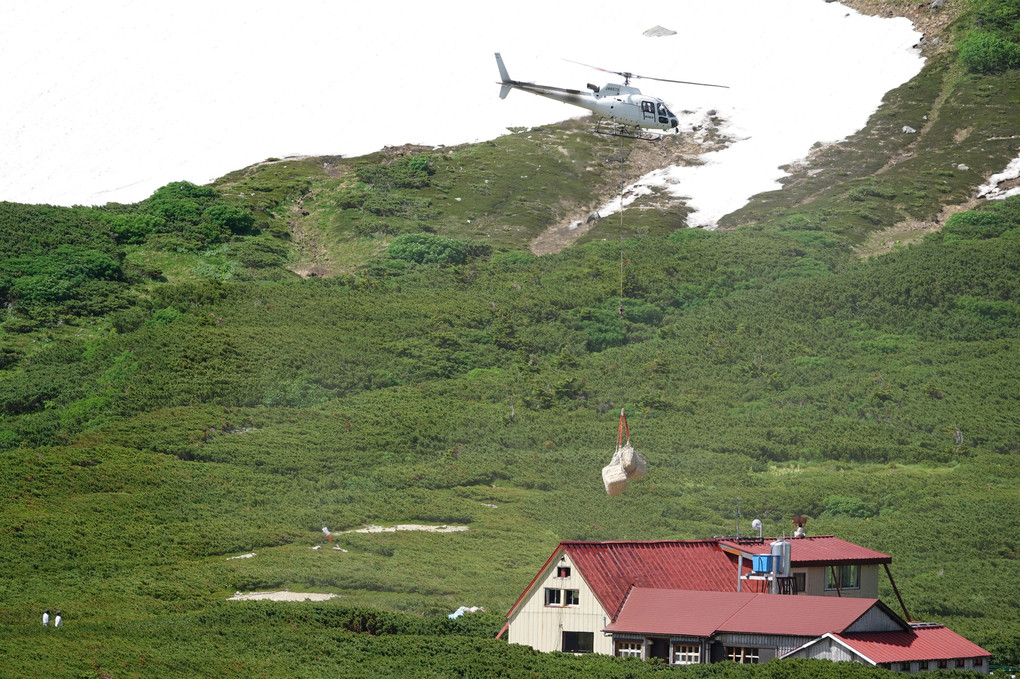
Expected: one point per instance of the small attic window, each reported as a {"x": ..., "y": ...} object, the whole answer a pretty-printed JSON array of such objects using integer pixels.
[{"x": 563, "y": 571}]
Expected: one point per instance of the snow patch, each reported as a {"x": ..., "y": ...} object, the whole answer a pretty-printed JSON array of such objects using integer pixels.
[
  {"x": 408, "y": 526},
  {"x": 992, "y": 190},
  {"x": 91, "y": 126},
  {"x": 282, "y": 596}
]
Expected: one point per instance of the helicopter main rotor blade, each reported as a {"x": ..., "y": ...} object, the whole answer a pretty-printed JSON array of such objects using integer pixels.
[
  {"x": 682, "y": 82},
  {"x": 627, "y": 76},
  {"x": 604, "y": 70}
]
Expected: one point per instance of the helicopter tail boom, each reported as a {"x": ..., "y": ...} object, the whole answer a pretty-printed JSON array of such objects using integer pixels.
[{"x": 563, "y": 94}]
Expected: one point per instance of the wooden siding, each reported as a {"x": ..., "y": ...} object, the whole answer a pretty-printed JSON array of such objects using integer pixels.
[
  {"x": 875, "y": 620},
  {"x": 769, "y": 645},
  {"x": 541, "y": 627},
  {"x": 827, "y": 649}
]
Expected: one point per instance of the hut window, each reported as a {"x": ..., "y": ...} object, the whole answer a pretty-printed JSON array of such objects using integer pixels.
[
  {"x": 684, "y": 654},
  {"x": 978, "y": 662},
  {"x": 849, "y": 577},
  {"x": 960, "y": 662},
  {"x": 572, "y": 597},
  {"x": 628, "y": 649},
  {"x": 563, "y": 572},
  {"x": 553, "y": 597},
  {"x": 943, "y": 664},
  {"x": 578, "y": 642},
  {"x": 742, "y": 654}
]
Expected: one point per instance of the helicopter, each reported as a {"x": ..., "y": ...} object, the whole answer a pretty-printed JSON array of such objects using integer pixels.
[{"x": 624, "y": 105}]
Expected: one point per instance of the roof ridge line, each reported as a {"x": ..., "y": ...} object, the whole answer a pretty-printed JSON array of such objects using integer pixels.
[
  {"x": 754, "y": 597},
  {"x": 623, "y": 602},
  {"x": 643, "y": 542}
]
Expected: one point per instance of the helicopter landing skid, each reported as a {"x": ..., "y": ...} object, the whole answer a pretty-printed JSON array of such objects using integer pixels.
[{"x": 628, "y": 132}]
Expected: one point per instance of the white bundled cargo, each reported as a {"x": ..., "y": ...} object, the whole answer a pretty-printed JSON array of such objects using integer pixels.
[
  {"x": 627, "y": 464},
  {"x": 614, "y": 476},
  {"x": 634, "y": 463}
]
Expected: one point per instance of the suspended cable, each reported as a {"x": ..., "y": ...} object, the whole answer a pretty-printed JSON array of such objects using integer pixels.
[{"x": 620, "y": 309}]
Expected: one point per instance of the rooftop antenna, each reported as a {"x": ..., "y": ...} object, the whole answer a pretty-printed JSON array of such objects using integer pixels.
[{"x": 738, "y": 518}]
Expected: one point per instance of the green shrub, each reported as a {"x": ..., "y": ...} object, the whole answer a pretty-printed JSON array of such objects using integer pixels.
[
  {"x": 990, "y": 221},
  {"x": 229, "y": 218},
  {"x": 840, "y": 505},
  {"x": 427, "y": 248},
  {"x": 259, "y": 253},
  {"x": 132, "y": 228},
  {"x": 411, "y": 172},
  {"x": 55, "y": 283},
  {"x": 1000, "y": 16},
  {"x": 982, "y": 52}
]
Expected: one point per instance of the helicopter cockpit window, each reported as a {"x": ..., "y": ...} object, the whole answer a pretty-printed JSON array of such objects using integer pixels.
[
  {"x": 647, "y": 107},
  {"x": 664, "y": 114}
]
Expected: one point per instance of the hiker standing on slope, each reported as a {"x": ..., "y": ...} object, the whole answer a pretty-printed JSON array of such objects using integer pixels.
[{"x": 46, "y": 618}]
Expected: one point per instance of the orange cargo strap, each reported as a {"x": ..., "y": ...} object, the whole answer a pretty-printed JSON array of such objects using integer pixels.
[{"x": 623, "y": 428}]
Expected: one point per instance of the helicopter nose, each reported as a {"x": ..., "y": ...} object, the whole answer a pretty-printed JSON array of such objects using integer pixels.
[{"x": 674, "y": 123}]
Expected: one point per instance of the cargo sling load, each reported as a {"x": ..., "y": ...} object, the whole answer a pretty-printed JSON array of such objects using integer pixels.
[{"x": 627, "y": 464}]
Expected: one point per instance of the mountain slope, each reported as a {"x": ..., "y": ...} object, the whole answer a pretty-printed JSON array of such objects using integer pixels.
[{"x": 219, "y": 371}]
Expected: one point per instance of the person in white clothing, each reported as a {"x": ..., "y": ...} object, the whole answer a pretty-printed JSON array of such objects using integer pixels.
[
  {"x": 46, "y": 618},
  {"x": 57, "y": 620}
]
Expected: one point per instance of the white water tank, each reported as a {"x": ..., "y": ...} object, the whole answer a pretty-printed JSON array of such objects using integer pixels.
[{"x": 781, "y": 553}]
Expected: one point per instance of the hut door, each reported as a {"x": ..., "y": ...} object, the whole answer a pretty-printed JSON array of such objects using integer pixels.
[{"x": 659, "y": 649}]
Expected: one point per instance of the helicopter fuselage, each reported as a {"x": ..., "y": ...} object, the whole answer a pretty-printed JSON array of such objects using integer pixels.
[{"x": 621, "y": 103}]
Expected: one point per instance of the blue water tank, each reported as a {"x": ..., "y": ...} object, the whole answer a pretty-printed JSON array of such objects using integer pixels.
[{"x": 761, "y": 563}]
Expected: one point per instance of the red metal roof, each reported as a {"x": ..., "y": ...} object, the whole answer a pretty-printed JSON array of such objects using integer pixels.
[
  {"x": 799, "y": 615},
  {"x": 611, "y": 568},
  {"x": 814, "y": 550},
  {"x": 670, "y": 612},
  {"x": 928, "y": 642}
]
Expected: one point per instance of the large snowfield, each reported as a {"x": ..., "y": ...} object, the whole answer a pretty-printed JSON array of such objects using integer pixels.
[{"x": 106, "y": 101}]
